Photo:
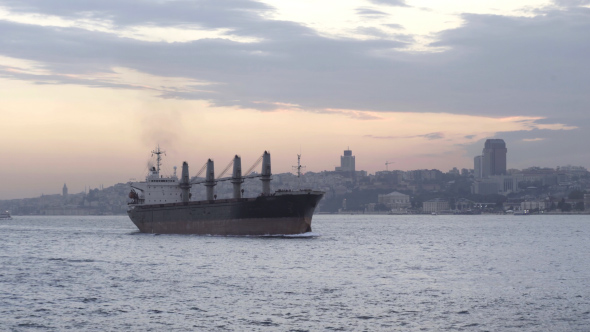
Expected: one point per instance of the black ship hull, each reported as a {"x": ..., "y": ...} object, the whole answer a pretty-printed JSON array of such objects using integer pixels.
[{"x": 282, "y": 213}]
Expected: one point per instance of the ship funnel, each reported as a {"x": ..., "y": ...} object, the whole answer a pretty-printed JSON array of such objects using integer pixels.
[
  {"x": 266, "y": 174},
  {"x": 236, "y": 178},
  {"x": 210, "y": 179},
  {"x": 185, "y": 183}
]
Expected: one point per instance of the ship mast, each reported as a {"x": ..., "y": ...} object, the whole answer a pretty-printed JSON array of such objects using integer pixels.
[
  {"x": 158, "y": 152},
  {"x": 298, "y": 168}
]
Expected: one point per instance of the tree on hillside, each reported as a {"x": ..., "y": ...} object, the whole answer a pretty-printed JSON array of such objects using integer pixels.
[
  {"x": 563, "y": 206},
  {"x": 576, "y": 194}
]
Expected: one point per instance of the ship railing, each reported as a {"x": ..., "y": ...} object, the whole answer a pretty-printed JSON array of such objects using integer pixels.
[{"x": 136, "y": 201}]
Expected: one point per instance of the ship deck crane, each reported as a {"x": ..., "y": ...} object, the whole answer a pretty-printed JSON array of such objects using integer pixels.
[{"x": 220, "y": 177}]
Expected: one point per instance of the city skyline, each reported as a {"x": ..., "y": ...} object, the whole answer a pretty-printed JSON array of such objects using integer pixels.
[
  {"x": 89, "y": 88},
  {"x": 347, "y": 162}
]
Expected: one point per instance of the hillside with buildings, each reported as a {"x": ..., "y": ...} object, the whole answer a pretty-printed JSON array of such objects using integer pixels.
[
  {"x": 98, "y": 201},
  {"x": 490, "y": 187}
]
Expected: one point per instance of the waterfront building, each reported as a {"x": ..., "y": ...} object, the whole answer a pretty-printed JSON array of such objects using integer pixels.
[
  {"x": 463, "y": 204},
  {"x": 435, "y": 205},
  {"x": 532, "y": 205},
  {"x": 395, "y": 201}
]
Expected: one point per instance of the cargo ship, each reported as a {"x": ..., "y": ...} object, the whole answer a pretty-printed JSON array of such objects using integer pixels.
[{"x": 163, "y": 205}]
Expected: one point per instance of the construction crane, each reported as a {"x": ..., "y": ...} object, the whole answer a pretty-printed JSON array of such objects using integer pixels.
[{"x": 387, "y": 163}]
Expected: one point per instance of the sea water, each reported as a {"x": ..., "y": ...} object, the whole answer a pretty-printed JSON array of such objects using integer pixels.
[{"x": 353, "y": 273}]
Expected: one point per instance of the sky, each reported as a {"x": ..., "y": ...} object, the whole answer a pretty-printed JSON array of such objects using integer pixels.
[{"x": 89, "y": 87}]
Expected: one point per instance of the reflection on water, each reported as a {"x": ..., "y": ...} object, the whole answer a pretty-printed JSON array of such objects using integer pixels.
[{"x": 353, "y": 273}]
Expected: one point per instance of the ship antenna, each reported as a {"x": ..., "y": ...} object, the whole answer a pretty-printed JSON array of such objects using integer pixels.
[
  {"x": 298, "y": 165},
  {"x": 158, "y": 153},
  {"x": 298, "y": 168}
]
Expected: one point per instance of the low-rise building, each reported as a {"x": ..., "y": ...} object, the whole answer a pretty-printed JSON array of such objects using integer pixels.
[
  {"x": 396, "y": 201},
  {"x": 463, "y": 204},
  {"x": 497, "y": 184},
  {"x": 532, "y": 205},
  {"x": 435, "y": 205}
]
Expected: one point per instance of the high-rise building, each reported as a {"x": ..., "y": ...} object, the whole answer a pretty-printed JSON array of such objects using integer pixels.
[
  {"x": 346, "y": 162},
  {"x": 477, "y": 172},
  {"x": 494, "y": 158},
  {"x": 64, "y": 191}
]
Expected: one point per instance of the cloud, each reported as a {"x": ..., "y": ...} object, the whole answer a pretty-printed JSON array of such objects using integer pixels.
[
  {"x": 533, "y": 67},
  {"x": 378, "y": 33},
  {"x": 358, "y": 115},
  {"x": 429, "y": 136},
  {"x": 493, "y": 65},
  {"x": 395, "y": 3},
  {"x": 368, "y": 12},
  {"x": 433, "y": 136},
  {"x": 297, "y": 69},
  {"x": 572, "y": 3},
  {"x": 211, "y": 14},
  {"x": 557, "y": 147},
  {"x": 394, "y": 26}
]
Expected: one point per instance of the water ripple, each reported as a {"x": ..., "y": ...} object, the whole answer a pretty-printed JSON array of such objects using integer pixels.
[{"x": 357, "y": 273}]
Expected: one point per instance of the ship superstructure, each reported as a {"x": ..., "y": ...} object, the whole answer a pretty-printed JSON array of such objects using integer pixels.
[
  {"x": 156, "y": 189},
  {"x": 163, "y": 204}
]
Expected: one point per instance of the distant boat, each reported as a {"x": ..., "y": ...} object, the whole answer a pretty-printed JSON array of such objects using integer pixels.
[
  {"x": 521, "y": 213},
  {"x": 5, "y": 216},
  {"x": 433, "y": 213}
]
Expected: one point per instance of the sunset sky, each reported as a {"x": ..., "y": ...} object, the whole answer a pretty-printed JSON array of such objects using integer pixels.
[{"x": 89, "y": 87}]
